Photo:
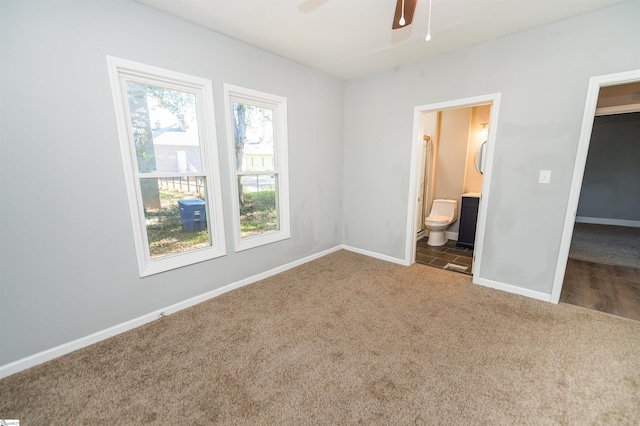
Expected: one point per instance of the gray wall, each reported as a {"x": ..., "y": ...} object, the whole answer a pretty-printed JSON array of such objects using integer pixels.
[
  {"x": 68, "y": 265},
  {"x": 543, "y": 76},
  {"x": 611, "y": 183},
  {"x": 68, "y": 262}
]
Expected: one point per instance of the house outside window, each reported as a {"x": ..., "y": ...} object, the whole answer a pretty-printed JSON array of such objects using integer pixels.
[
  {"x": 169, "y": 153},
  {"x": 257, "y": 128}
]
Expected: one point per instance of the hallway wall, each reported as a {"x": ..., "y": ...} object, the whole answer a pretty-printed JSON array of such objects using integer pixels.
[{"x": 612, "y": 172}]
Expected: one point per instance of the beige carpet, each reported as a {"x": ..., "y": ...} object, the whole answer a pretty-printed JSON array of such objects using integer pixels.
[
  {"x": 348, "y": 339},
  {"x": 606, "y": 244}
]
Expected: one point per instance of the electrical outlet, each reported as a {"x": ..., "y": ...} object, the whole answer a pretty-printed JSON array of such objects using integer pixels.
[{"x": 545, "y": 176}]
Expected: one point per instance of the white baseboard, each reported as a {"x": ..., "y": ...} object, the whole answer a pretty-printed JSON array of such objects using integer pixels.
[
  {"x": 514, "y": 289},
  {"x": 451, "y": 235},
  {"x": 605, "y": 221},
  {"x": 482, "y": 281},
  {"x": 49, "y": 354},
  {"x": 376, "y": 255}
]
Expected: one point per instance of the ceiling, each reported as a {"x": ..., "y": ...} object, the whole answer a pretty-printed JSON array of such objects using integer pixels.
[{"x": 349, "y": 38}]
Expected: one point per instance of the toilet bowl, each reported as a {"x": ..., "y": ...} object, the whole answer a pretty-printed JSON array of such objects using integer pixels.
[{"x": 443, "y": 213}]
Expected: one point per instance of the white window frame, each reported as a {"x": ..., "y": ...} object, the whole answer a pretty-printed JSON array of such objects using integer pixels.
[
  {"x": 120, "y": 71},
  {"x": 279, "y": 106}
]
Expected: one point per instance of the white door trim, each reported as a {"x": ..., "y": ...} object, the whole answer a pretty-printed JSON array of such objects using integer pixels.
[
  {"x": 595, "y": 83},
  {"x": 494, "y": 100}
]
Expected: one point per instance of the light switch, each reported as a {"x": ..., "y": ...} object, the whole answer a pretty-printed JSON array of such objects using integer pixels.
[{"x": 545, "y": 176}]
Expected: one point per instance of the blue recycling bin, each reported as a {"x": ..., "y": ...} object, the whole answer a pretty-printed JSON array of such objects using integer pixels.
[{"x": 193, "y": 215}]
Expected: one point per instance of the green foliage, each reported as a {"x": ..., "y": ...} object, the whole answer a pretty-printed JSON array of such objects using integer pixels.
[
  {"x": 258, "y": 201},
  {"x": 167, "y": 217},
  {"x": 258, "y": 223},
  {"x": 174, "y": 101},
  {"x": 258, "y": 213},
  {"x": 164, "y": 228}
]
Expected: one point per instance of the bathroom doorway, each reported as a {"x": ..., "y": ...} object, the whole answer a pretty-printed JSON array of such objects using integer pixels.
[
  {"x": 427, "y": 170},
  {"x": 598, "y": 265},
  {"x": 450, "y": 169}
]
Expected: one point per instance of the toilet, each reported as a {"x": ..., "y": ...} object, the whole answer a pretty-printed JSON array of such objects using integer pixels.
[{"x": 443, "y": 213}]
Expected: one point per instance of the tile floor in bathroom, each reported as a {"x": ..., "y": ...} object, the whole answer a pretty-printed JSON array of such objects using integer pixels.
[{"x": 448, "y": 254}]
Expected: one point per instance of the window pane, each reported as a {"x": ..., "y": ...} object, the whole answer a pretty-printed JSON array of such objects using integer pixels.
[
  {"x": 253, "y": 138},
  {"x": 258, "y": 205},
  {"x": 175, "y": 214},
  {"x": 165, "y": 129},
  {"x": 258, "y": 140}
]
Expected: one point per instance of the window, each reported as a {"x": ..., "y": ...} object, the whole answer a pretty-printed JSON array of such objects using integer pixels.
[
  {"x": 257, "y": 125},
  {"x": 169, "y": 153}
]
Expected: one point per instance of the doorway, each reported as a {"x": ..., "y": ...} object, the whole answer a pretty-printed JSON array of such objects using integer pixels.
[
  {"x": 602, "y": 275},
  {"x": 415, "y": 209},
  {"x": 451, "y": 169}
]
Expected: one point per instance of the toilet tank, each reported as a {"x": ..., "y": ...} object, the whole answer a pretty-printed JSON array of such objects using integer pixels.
[{"x": 447, "y": 208}]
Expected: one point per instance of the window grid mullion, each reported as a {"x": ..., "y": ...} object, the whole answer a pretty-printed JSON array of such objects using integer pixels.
[{"x": 262, "y": 172}]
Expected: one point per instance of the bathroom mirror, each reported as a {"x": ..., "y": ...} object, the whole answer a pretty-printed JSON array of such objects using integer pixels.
[{"x": 480, "y": 156}]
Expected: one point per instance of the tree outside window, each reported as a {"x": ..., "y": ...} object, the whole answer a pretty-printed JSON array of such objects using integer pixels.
[
  {"x": 167, "y": 139},
  {"x": 258, "y": 123}
]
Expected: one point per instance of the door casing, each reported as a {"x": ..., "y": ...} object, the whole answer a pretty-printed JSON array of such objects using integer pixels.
[
  {"x": 492, "y": 99},
  {"x": 595, "y": 83}
]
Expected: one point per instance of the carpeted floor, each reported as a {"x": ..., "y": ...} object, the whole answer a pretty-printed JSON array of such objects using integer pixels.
[
  {"x": 606, "y": 244},
  {"x": 348, "y": 339}
]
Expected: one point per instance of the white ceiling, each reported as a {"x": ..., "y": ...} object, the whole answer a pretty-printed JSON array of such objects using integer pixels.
[{"x": 349, "y": 38}]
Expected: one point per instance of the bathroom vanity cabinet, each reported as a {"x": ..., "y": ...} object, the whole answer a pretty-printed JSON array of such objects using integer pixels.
[{"x": 468, "y": 219}]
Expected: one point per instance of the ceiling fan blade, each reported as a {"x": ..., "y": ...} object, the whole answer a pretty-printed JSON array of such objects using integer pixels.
[{"x": 409, "y": 8}]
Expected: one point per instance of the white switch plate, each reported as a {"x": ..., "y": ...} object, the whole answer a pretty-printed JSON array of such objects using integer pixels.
[{"x": 545, "y": 176}]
